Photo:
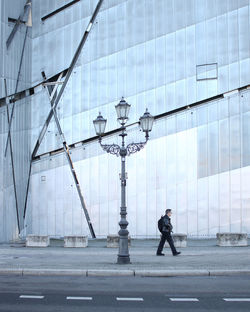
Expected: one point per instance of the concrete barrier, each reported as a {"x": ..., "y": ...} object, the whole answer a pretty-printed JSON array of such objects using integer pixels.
[
  {"x": 180, "y": 240},
  {"x": 76, "y": 241},
  {"x": 231, "y": 239},
  {"x": 113, "y": 241},
  {"x": 37, "y": 241}
]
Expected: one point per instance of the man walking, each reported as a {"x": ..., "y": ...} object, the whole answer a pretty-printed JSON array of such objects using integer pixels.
[{"x": 166, "y": 235}]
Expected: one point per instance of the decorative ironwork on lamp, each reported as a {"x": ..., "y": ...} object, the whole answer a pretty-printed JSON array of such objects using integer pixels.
[{"x": 146, "y": 123}]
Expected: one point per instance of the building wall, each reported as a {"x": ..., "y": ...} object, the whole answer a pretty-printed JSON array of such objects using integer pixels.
[
  {"x": 20, "y": 130},
  {"x": 196, "y": 163},
  {"x": 161, "y": 55}
]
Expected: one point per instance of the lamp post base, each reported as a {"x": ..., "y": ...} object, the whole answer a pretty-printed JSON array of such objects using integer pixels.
[{"x": 123, "y": 259}]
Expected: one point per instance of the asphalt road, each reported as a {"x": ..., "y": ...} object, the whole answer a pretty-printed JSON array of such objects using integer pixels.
[{"x": 44, "y": 293}]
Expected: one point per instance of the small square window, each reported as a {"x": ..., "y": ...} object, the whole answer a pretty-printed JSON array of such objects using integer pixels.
[{"x": 207, "y": 71}]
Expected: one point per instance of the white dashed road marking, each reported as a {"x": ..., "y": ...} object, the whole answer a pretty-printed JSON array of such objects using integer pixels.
[
  {"x": 79, "y": 298},
  {"x": 237, "y": 299},
  {"x": 129, "y": 299},
  {"x": 184, "y": 299},
  {"x": 31, "y": 297}
]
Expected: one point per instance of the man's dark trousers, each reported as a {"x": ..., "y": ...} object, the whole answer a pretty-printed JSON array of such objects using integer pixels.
[{"x": 166, "y": 236}]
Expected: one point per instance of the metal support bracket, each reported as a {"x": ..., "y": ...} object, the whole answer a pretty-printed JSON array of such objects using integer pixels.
[
  {"x": 17, "y": 23},
  {"x": 55, "y": 102},
  {"x": 66, "y": 150},
  {"x": 12, "y": 159}
]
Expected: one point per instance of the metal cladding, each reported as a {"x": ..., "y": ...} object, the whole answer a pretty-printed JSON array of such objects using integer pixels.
[{"x": 188, "y": 62}]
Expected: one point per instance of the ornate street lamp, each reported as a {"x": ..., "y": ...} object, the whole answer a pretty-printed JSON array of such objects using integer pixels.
[{"x": 146, "y": 123}]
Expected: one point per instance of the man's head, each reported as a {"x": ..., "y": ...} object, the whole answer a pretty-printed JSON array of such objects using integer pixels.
[{"x": 168, "y": 212}]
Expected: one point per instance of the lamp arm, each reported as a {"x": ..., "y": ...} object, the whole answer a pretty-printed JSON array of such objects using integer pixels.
[
  {"x": 113, "y": 149},
  {"x": 136, "y": 147}
]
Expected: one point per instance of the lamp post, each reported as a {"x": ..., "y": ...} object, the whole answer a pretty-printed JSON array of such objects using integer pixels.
[{"x": 146, "y": 123}]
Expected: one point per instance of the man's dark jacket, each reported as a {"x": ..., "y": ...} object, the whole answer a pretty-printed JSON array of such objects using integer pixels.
[{"x": 167, "y": 226}]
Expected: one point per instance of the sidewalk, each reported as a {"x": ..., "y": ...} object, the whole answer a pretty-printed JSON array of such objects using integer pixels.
[{"x": 201, "y": 257}]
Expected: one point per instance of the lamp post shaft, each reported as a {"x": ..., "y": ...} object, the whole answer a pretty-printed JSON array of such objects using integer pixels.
[{"x": 123, "y": 255}]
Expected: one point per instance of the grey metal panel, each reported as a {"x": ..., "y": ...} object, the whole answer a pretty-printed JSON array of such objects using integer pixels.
[
  {"x": 160, "y": 100},
  {"x": 170, "y": 58},
  {"x": 169, "y": 12},
  {"x": 160, "y": 61},
  {"x": 235, "y": 190},
  {"x": 224, "y": 145},
  {"x": 151, "y": 184},
  {"x": 234, "y": 107},
  {"x": 181, "y": 157},
  {"x": 211, "y": 45},
  {"x": 139, "y": 29},
  {"x": 190, "y": 52},
  {"x": 149, "y": 19},
  {"x": 213, "y": 112},
  {"x": 245, "y": 139},
  {"x": 224, "y": 198},
  {"x": 233, "y": 39},
  {"x": 181, "y": 209},
  {"x": 131, "y": 71},
  {"x": 202, "y": 152},
  {"x": 180, "y": 94},
  {"x": 243, "y": 26},
  {"x": 222, "y": 39},
  {"x": 192, "y": 208},
  {"x": 223, "y": 77},
  {"x": 140, "y": 69},
  {"x": 234, "y": 76},
  {"x": 180, "y": 13},
  {"x": 211, "y": 8},
  {"x": 245, "y": 172},
  {"x": 214, "y": 204},
  {"x": 202, "y": 207},
  {"x": 213, "y": 148},
  {"x": 121, "y": 26},
  {"x": 112, "y": 77},
  {"x": 191, "y": 154},
  {"x": 244, "y": 72},
  {"x": 150, "y": 64},
  {"x": 235, "y": 142},
  {"x": 222, "y": 6},
  {"x": 180, "y": 65},
  {"x": 121, "y": 83},
  {"x": 160, "y": 21},
  {"x": 244, "y": 102},
  {"x": 200, "y": 41},
  {"x": 223, "y": 108}
]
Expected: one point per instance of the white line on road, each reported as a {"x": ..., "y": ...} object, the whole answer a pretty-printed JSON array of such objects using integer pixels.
[
  {"x": 129, "y": 299},
  {"x": 237, "y": 299},
  {"x": 31, "y": 297},
  {"x": 184, "y": 299},
  {"x": 79, "y": 298}
]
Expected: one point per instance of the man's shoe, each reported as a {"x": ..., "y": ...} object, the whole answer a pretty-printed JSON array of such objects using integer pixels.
[
  {"x": 177, "y": 253},
  {"x": 160, "y": 254}
]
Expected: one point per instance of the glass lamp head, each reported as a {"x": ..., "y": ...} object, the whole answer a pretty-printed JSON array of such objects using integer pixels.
[
  {"x": 100, "y": 124},
  {"x": 146, "y": 121},
  {"x": 122, "y": 111}
]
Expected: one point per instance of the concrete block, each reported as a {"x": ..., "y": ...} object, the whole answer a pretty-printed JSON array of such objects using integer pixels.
[
  {"x": 76, "y": 241},
  {"x": 110, "y": 273},
  {"x": 113, "y": 241},
  {"x": 180, "y": 240},
  {"x": 166, "y": 273},
  {"x": 37, "y": 241},
  {"x": 56, "y": 272},
  {"x": 231, "y": 239}
]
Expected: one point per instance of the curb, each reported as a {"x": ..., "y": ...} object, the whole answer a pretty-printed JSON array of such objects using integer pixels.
[{"x": 111, "y": 273}]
